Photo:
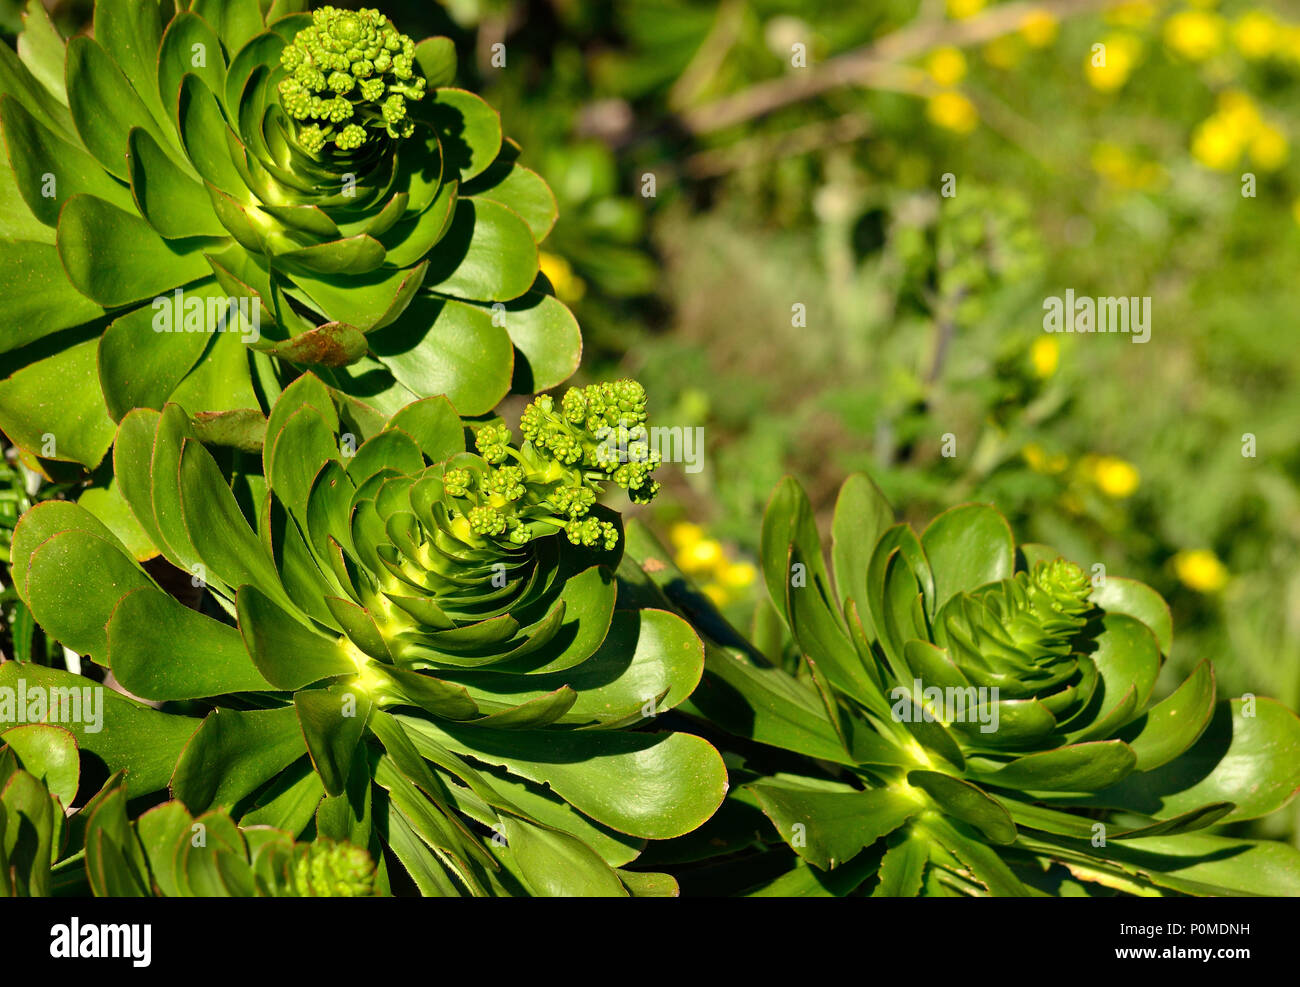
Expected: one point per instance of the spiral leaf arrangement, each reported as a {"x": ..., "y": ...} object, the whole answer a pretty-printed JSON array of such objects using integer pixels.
[
  {"x": 417, "y": 649},
  {"x": 214, "y": 200},
  {"x": 984, "y": 715}
]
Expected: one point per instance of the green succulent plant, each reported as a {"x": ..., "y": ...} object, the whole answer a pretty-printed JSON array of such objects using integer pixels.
[
  {"x": 196, "y": 201},
  {"x": 168, "y": 853},
  {"x": 984, "y": 718},
  {"x": 48, "y": 848},
  {"x": 39, "y": 771},
  {"x": 415, "y": 648}
]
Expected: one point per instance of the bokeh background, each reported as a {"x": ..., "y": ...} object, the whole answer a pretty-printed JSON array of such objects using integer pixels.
[{"x": 752, "y": 222}]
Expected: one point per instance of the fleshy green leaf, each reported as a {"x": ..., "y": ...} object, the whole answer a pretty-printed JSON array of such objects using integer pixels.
[
  {"x": 124, "y": 734},
  {"x": 49, "y": 753},
  {"x": 968, "y": 547},
  {"x": 1251, "y": 760},
  {"x": 444, "y": 346},
  {"x": 235, "y": 752},
  {"x": 652, "y": 785},
  {"x": 116, "y": 258},
  {"x": 487, "y": 253},
  {"x": 160, "y": 649},
  {"x": 834, "y": 825},
  {"x": 38, "y": 297}
]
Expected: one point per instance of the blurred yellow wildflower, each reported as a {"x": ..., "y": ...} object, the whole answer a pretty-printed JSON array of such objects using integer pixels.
[
  {"x": 1113, "y": 476},
  {"x": 1137, "y": 13},
  {"x": 569, "y": 288},
  {"x": 1109, "y": 69},
  {"x": 684, "y": 534},
  {"x": 716, "y": 593},
  {"x": 702, "y": 556},
  {"x": 946, "y": 65},
  {"x": 1004, "y": 52},
  {"x": 705, "y": 559},
  {"x": 961, "y": 9},
  {"x": 1041, "y": 461},
  {"x": 1039, "y": 28},
  {"x": 1268, "y": 148},
  {"x": 1216, "y": 143},
  {"x": 953, "y": 111},
  {"x": 1219, "y": 141},
  {"x": 1201, "y": 570},
  {"x": 1239, "y": 110},
  {"x": 737, "y": 575},
  {"x": 1045, "y": 355},
  {"x": 1194, "y": 34},
  {"x": 1256, "y": 33}
]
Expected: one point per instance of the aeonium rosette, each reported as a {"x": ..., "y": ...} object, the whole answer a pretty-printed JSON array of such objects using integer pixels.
[
  {"x": 985, "y": 718},
  {"x": 66, "y": 842},
  {"x": 193, "y": 206},
  {"x": 415, "y": 647}
]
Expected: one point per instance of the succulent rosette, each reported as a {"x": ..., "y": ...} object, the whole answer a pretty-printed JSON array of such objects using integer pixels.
[
  {"x": 197, "y": 202},
  {"x": 52, "y": 844},
  {"x": 414, "y": 648},
  {"x": 984, "y": 716}
]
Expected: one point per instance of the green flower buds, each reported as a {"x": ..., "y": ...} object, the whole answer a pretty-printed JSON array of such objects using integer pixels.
[
  {"x": 315, "y": 173},
  {"x": 550, "y": 483},
  {"x": 601, "y": 429},
  {"x": 349, "y": 76}
]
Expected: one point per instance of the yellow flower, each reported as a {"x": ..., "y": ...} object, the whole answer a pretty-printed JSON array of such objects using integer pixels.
[
  {"x": 737, "y": 575},
  {"x": 1217, "y": 143},
  {"x": 1194, "y": 34},
  {"x": 1045, "y": 354},
  {"x": 1135, "y": 14},
  {"x": 1201, "y": 570},
  {"x": 683, "y": 534},
  {"x": 961, "y": 9},
  {"x": 1039, "y": 28},
  {"x": 700, "y": 557},
  {"x": 1117, "y": 62},
  {"x": 1114, "y": 477},
  {"x": 1239, "y": 111},
  {"x": 1268, "y": 148},
  {"x": 1040, "y": 461},
  {"x": 569, "y": 288},
  {"x": 947, "y": 65},
  {"x": 1256, "y": 34},
  {"x": 716, "y": 593},
  {"x": 953, "y": 111},
  {"x": 1004, "y": 52}
]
